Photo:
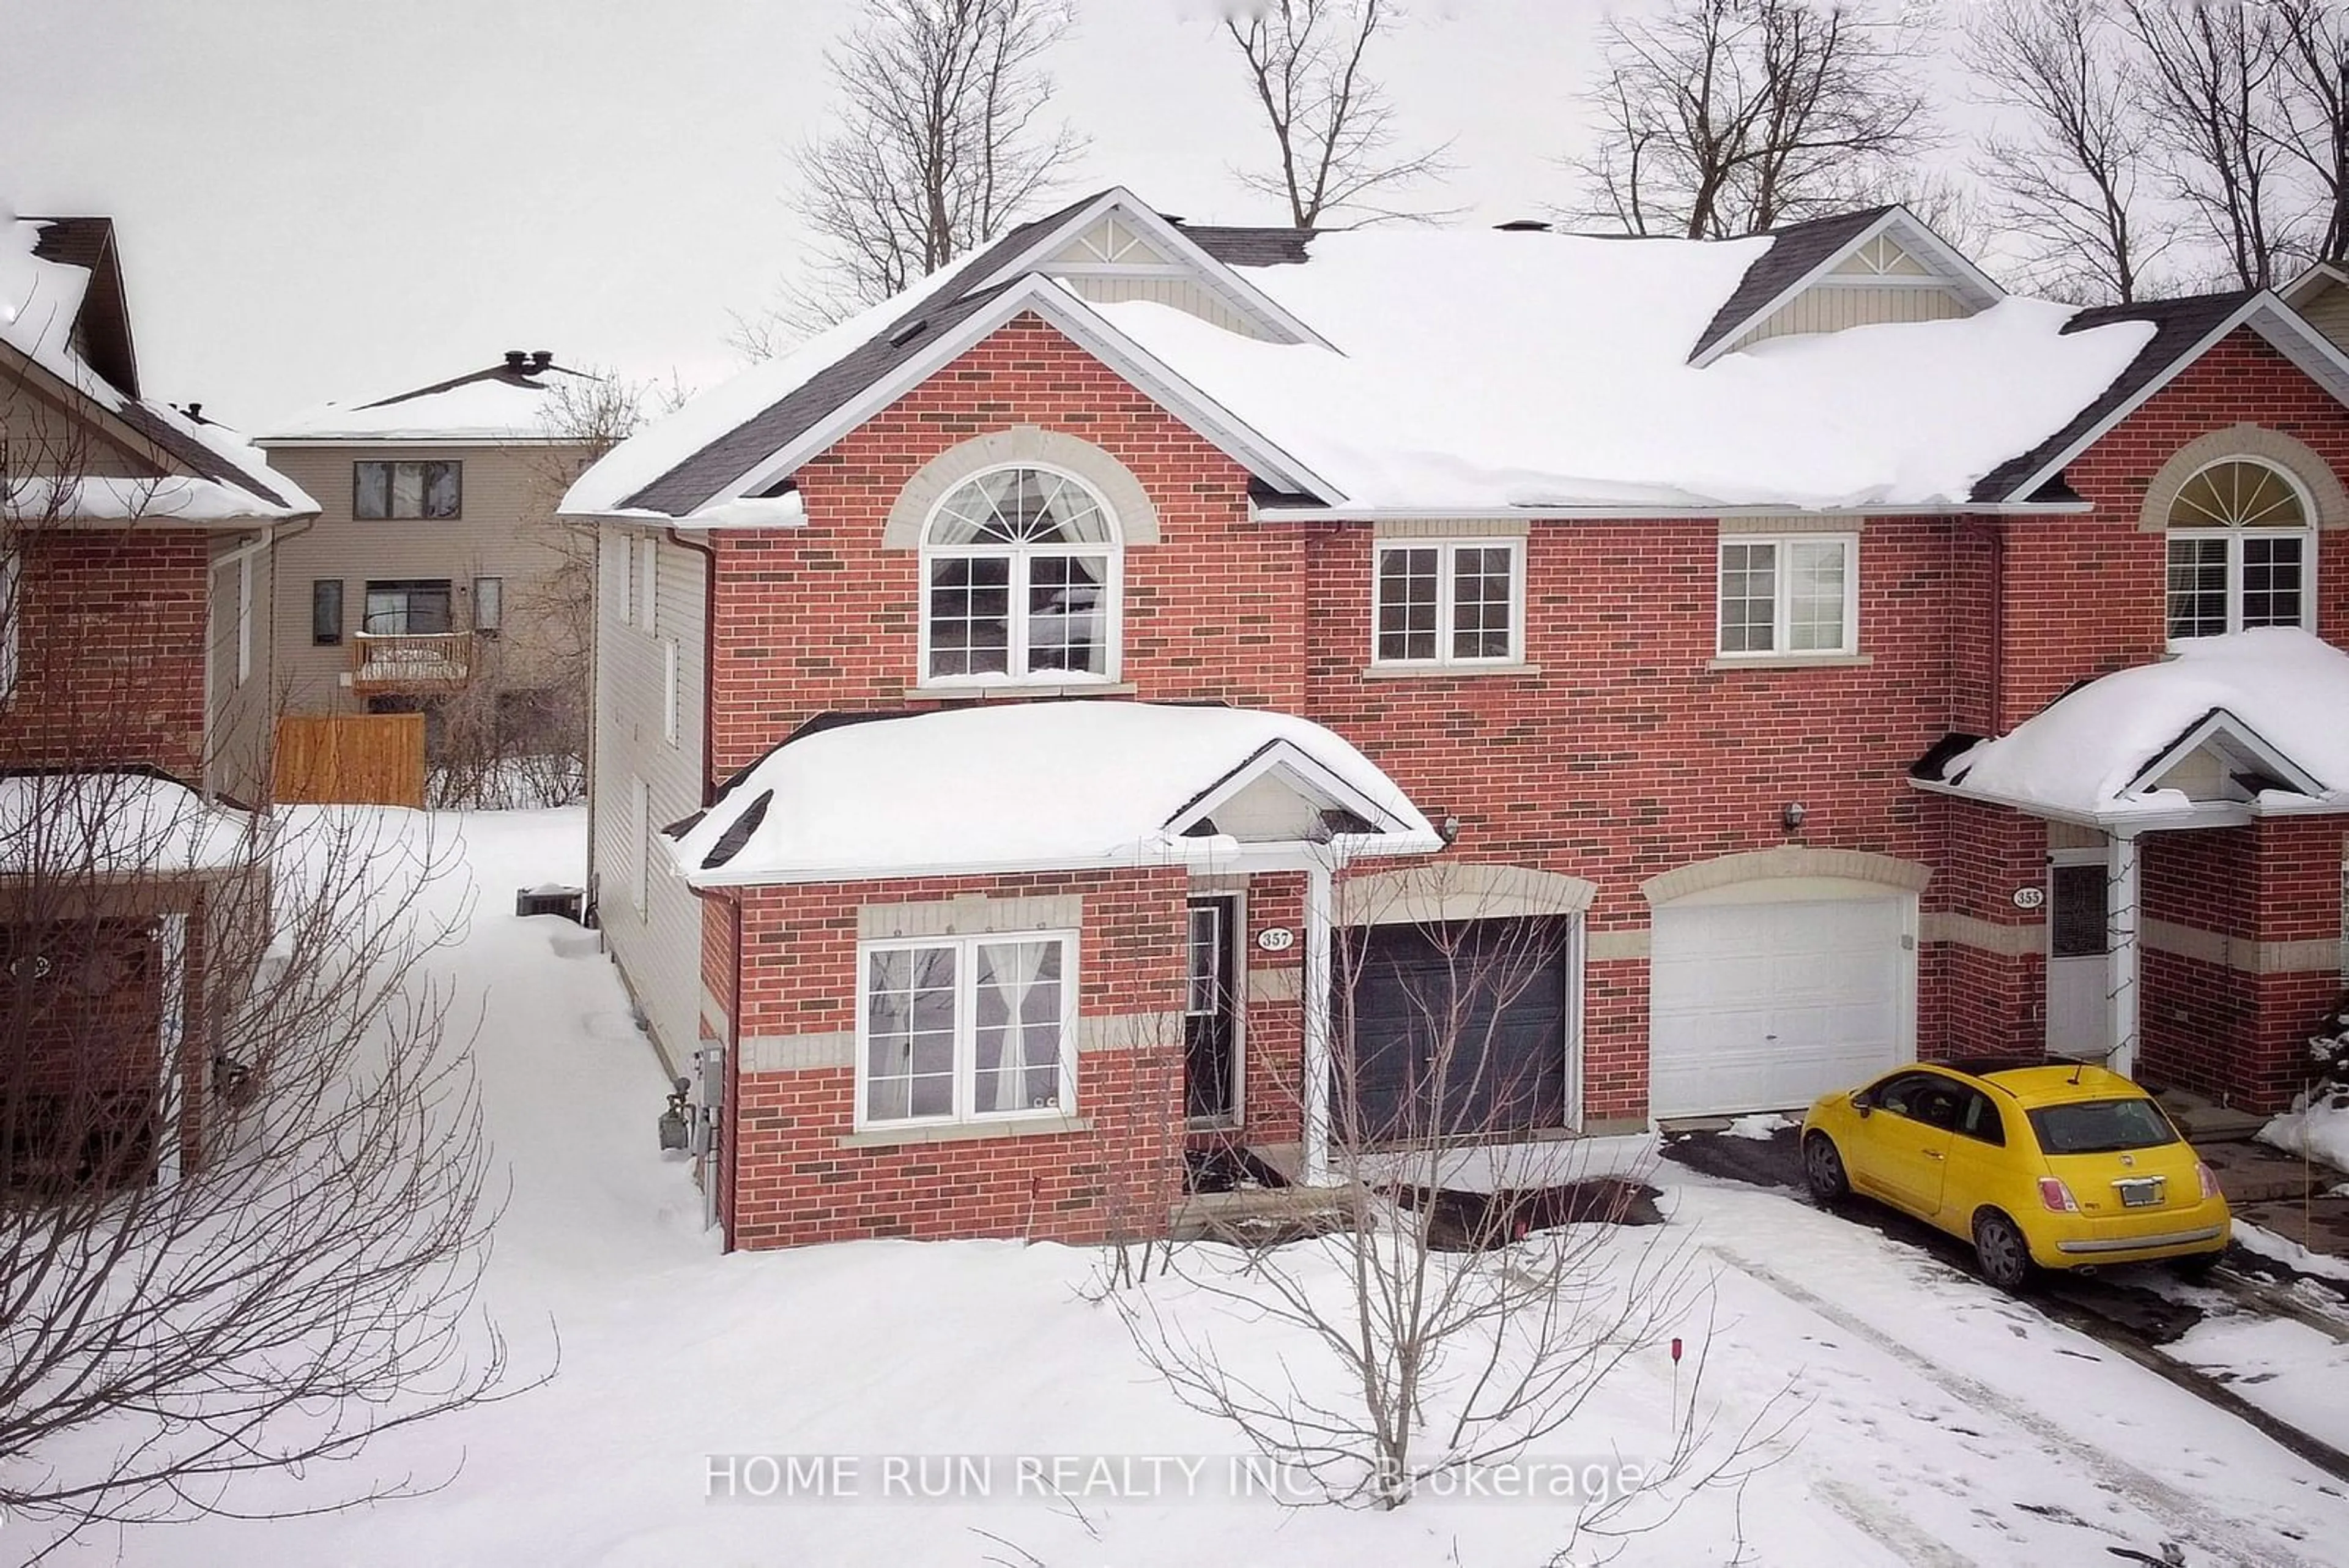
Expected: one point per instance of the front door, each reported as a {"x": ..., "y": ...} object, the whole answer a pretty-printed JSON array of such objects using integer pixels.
[
  {"x": 1211, "y": 1015},
  {"x": 2079, "y": 968}
]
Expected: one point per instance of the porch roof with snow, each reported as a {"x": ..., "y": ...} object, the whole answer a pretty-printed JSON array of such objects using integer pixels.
[
  {"x": 117, "y": 824},
  {"x": 1469, "y": 371},
  {"x": 1062, "y": 785},
  {"x": 2233, "y": 728}
]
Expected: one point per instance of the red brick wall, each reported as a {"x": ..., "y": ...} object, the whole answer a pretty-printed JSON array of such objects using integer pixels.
[
  {"x": 792, "y": 1180},
  {"x": 111, "y": 638},
  {"x": 823, "y": 618}
]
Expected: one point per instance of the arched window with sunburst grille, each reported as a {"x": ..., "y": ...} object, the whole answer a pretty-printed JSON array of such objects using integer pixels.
[
  {"x": 1021, "y": 581},
  {"x": 2241, "y": 551}
]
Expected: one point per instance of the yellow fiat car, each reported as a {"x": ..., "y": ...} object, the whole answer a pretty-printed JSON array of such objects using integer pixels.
[{"x": 2056, "y": 1166}]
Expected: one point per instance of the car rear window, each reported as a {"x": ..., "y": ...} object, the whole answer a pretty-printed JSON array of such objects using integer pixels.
[{"x": 2101, "y": 1126}]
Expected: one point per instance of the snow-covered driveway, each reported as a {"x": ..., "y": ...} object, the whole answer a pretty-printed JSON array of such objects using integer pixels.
[{"x": 1939, "y": 1422}]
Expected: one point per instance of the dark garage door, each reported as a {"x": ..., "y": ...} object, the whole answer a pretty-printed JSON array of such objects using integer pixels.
[{"x": 1455, "y": 1030}]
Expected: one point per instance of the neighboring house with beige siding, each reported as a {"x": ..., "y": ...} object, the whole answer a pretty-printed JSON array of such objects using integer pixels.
[
  {"x": 435, "y": 564},
  {"x": 646, "y": 774}
]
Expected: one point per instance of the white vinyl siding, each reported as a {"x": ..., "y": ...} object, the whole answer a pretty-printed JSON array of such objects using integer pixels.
[
  {"x": 648, "y": 712},
  {"x": 648, "y": 596}
]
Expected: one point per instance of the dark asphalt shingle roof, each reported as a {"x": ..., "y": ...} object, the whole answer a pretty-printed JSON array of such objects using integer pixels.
[
  {"x": 1251, "y": 247},
  {"x": 2177, "y": 325},
  {"x": 707, "y": 471},
  {"x": 527, "y": 377},
  {"x": 1794, "y": 251}
]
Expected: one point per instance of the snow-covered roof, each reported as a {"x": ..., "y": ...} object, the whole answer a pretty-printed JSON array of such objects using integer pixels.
[
  {"x": 2267, "y": 710},
  {"x": 45, "y": 289},
  {"x": 1465, "y": 369},
  {"x": 112, "y": 825},
  {"x": 1048, "y": 786},
  {"x": 516, "y": 399}
]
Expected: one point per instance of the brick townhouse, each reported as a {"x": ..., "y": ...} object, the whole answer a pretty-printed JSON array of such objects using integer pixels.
[
  {"x": 135, "y": 707},
  {"x": 1086, "y": 708}
]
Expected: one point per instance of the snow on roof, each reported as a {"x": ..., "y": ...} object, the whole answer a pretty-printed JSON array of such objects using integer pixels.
[
  {"x": 2086, "y": 754},
  {"x": 499, "y": 404},
  {"x": 1025, "y": 785},
  {"x": 115, "y": 825},
  {"x": 1479, "y": 369},
  {"x": 229, "y": 480}
]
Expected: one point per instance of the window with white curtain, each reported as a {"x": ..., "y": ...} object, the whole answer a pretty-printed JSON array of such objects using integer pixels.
[{"x": 966, "y": 1029}]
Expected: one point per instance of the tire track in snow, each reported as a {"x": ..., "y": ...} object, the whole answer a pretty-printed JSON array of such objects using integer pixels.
[
  {"x": 1912, "y": 1546},
  {"x": 2232, "y": 1540}
]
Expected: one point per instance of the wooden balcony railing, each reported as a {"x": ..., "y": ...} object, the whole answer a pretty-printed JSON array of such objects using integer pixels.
[{"x": 428, "y": 661}]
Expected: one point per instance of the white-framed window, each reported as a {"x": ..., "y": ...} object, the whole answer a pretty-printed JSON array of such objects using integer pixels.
[
  {"x": 649, "y": 595},
  {"x": 952, "y": 1029},
  {"x": 620, "y": 559},
  {"x": 1021, "y": 581},
  {"x": 1448, "y": 601},
  {"x": 668, "y": 690},
  {"x": 1794, "y": 594},
  {"x": 12, "y": 615},
  {"x": 2242, "y": 552},
  {"x": 489, "y": 606},
  {"x": 640, "y": 823}
]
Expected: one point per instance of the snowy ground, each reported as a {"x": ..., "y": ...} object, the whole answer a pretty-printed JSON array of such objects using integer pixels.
[{"x": 1936, "y": 1422}]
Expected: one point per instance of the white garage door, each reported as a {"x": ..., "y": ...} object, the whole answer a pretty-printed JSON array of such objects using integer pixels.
[{"x": 1760, "y": 1007}]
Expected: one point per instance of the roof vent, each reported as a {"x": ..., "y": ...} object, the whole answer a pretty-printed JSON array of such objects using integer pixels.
[
  {"x": 516, "y": 359},
  {"x": 540, "y": 358},
  {"x": 1523, "y": 226},
  {"x": 907, "y": 331}
]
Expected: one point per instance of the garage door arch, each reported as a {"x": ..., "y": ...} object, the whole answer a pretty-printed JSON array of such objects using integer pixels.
[{"x": 1776, "y": 976}]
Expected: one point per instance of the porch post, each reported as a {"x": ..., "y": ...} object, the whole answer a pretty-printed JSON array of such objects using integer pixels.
[
  {"x": 171, "y": 1039},
  {"x": 1316, "y": 1008},
  {"x": 2122, "y": 960}
]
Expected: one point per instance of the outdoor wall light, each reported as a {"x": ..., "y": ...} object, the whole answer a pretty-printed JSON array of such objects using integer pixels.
[
  {"x": 1450, "y": 830},
  {"x": 1791, "y": 818}
]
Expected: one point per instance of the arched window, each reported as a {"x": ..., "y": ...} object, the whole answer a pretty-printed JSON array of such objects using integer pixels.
[
  {"x": 1019, "y": 568},
  {"x": 2241, "y": 551}
]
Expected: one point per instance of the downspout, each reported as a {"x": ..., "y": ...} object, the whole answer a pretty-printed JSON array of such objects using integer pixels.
[{"x": 2122, "y": 958}]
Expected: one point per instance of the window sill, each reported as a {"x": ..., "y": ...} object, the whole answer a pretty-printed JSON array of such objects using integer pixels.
[
  {"x": 965, "y": 1132},
  {"x": 1446, "y": 671},
  {"x": 1791, "y": 661},
  {"x": 1013, "y": 691}
]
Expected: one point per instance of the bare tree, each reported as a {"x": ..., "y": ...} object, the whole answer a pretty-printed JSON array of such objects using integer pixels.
[
  {"x": 242, "y": 1206},
  {"x": 1338, "y": 152},
  {"x": 2066, "y": 176},
  {"x": 938, "y": 144},
  {"x": 2211, "y": 71},
  {"x": 1729, "y": 117},
  {"x": 1452, "y": 1299},
  {"x": 2312, "y": 120}
]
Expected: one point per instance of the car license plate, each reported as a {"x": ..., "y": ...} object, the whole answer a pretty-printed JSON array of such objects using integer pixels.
[{"x": 2142, "y": 1192}]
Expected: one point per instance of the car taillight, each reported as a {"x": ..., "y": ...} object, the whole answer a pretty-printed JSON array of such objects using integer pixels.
[
  {"x": 2203, "y": 1174},
  {"x": 2057, "y": 1196}
]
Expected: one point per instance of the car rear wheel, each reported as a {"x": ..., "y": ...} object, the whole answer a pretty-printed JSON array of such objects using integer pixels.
[
  {"x": 2197, "y": 1265},
  {"x": 1823, "y": 1169},
  {"x": 1999, "y": 1247}
]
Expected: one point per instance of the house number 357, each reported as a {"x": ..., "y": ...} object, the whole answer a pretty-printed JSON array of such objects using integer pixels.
[{"x": 1276, "y": 939}]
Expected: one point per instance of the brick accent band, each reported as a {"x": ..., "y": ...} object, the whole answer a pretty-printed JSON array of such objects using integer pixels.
[
  {"x": 1982, "y": 936},
  {"x": 972, "y": 914},
  {"x": 2294, "y": 456},
  {"x": 1138, "y": 519},
  {"x": 1447, "y": 890},
  {"x": 1791, "y": 860},
  {"x": 2241, "y": 954}
]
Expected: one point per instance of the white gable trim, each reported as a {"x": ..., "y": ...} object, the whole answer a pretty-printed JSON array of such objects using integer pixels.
[
  {"x": 1213, "y": 423},
  {"x": 2284, "y": 329},
  {"x": 1958, "y": 276},
  {"x": 1300, "y": 770},
  {"x": 2314, "y": 281},
  {"x": 2230, "y": 734},
  {"x": 1243, "y": 296}
]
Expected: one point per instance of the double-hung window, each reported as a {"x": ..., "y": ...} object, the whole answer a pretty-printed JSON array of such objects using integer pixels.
[
  {"x": 1020, "y": 572},
  {"x": 406, "y": 489},
  {"x": 1792, "y": 595},
  {"x": 966, "y": 1029},
  {"x": 2240, "y": 551},
  {"x": 1448, "y": 601}
]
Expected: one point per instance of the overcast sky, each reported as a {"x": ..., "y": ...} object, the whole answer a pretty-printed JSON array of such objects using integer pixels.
[{"x": 345, "y": 199}]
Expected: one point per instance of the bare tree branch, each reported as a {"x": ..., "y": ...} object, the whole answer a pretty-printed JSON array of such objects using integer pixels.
[
  {"x": 1333, "y": 129},
  {"x": 2211, "y": 71},
  {"x": 1729, "y": 117}
]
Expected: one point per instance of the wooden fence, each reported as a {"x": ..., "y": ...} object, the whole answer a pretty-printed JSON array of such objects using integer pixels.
[{"x": 372, "y": 759}]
